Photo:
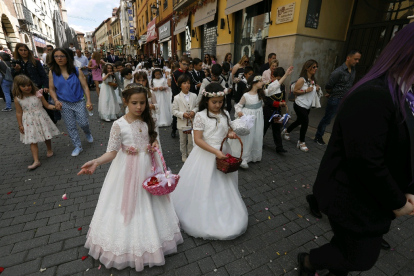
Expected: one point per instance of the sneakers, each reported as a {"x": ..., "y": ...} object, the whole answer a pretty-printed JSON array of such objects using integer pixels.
[
  {"x": 6, "y": 109},
  {"x": 285, "y": 135},
  {"x": 244, "y": 165},
  {"x": 319, "y": 141},
  {"x": 89, "y": 138},
  {"x": 76, "y": 151}
]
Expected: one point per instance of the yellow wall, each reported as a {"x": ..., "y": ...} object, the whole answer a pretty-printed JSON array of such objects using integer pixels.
[
  {"x": 145, "y": 6},
  {"x": 333, "y": 21},
  {"x": 223, "y": 34},
  {"x": 194, "y": 42},
  {"x": 289, "y": 27}
]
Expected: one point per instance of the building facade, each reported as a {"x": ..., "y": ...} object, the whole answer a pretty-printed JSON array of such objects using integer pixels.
[
  {"x": 127, "y": 17},
  {"x": 10, "y": 35},
  {"x": 117, "y": 34},
  {"x": 88, "y": 41},
  {"x": 101, "y": 35},
  {"x": 81, "y": 40}
]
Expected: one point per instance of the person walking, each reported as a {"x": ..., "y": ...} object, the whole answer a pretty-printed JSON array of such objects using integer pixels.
[
  {"x": 305, "y": 91},
  {"x": 95, "y": 64},
  {"x": 340, "y": 81},
  {"x": 112, "y": 58},
  {"x": 270, "y": 58},
  {"x": 366, "y": 174},
  {"x": 67, "y": 88},
  {"x": 83, "y": 61},
  {"x": 7, "y": 83}
]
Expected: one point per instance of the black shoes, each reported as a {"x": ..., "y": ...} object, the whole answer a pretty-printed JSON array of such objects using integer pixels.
[
  {"x": 319, "y": 141},
  {"x": 280, "y": 151},
  {"x": 385, "y": 245},
  {"x": 173, "y": 134},
  {"x": 302, "y": 269},
  {"x": 313, "y": 206}
]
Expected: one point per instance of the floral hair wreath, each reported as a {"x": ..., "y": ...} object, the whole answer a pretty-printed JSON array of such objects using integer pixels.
[
  {"x": 135, "y": 85},
  {"x": 214, "y": 94},
  {"x": 257, "y": 78}
]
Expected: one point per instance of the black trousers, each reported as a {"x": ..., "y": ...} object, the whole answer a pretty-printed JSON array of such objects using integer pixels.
[
  {"x": 276, "y": 131},
  {"x": 228, "y": 101},
  {"x": 174, "y": 124},
  {"x": 302, "y": 121},
  {"x": 346, "y": 252}
]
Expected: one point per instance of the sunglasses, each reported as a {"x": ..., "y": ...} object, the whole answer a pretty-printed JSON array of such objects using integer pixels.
[{"x": 315, "y": 67}]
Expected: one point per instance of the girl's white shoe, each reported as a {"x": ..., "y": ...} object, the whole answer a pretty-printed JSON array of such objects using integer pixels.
[
  {"x": 302, "y": 146},
  {"x": 285, "y": 135},
  {"x": 244, "y": 165}
]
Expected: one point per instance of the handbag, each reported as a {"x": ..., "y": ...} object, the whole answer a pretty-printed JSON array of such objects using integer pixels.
[{"x": 292, "y": 96}]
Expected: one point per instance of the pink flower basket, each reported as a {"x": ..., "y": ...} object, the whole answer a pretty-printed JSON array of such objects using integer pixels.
[{"x": 160, "y": 183}]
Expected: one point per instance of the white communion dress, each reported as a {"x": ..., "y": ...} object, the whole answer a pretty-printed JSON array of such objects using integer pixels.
[
  {"x": 130, "y": 226},
  {"x": 163, "y": 97},
  {"x": 207, "y": 201},
  {"x": 108, "y": 106}
]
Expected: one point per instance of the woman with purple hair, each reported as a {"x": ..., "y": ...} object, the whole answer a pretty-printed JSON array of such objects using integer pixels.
[{"x": 366, "y": 177}]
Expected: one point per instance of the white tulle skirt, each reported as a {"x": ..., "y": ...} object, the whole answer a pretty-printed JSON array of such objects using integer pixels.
[
  {"x": 151, "y": 232},
  {"x": 165, "y": 107},
  {"x": 208, "y": 202}
]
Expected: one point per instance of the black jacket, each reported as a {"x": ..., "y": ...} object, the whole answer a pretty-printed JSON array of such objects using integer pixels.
[
  {"x": 196, "y": 80},
  {"x": 264, "y": 67},
  {"x": 35, "y": 72},
  {"x": 271, "y": 104},
  {"x": 368, "y": 165},
  {"x": 174, "y": 81}
]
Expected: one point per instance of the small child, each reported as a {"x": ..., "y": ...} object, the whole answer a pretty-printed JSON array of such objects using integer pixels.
[
  {"x": 126, "y": 75},
  {"x": 207, "y": 201},
  {"x": 184, "y": 108},
  {"x": 228, "y": 83},
  {"x": 34, "y": 124},
  {"x": 241, "y": 85},
  {"x": 216, "y": 71},
  {"x": 163, "y": 95},
  {"x": 108, "y": 107},
  {"x": 130, "y": 226}
]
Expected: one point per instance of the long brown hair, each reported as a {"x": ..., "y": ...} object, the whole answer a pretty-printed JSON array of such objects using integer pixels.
[
  {"x": 22, "y": 80},
  {"x": 304, "y": 73},
  {"x": 212, "y": 87},
  {"x": 135, "y": 88},
  {"x": 251, "y": 82},
  {"x": 70, "y": 67},
  {"x": 97, "y": 57},
  {"x": 226, "y": 56},
  {"x": 16, "y": 54},
  {"x": 143, "y": 75}
]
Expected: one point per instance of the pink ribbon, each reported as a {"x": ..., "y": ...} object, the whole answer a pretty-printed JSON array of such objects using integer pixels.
[{"x": 39, "y": 93}]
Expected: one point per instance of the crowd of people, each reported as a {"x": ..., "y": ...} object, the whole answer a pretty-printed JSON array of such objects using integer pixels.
[{"x": 364, "y": 180}]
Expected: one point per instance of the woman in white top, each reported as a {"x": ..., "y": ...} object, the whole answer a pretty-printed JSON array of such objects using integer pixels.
[{"x": 305, "y": 90}]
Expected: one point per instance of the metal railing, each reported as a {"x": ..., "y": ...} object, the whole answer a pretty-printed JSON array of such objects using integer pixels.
[{"x": 23, "y": 13}]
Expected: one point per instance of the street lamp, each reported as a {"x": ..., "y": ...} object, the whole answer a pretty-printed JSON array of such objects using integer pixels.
[{"x": 155, "y": 7}]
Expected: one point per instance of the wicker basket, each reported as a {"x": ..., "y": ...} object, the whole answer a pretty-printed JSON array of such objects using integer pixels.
[
  {"x": 276, "y": 120},
  {"x": 189, "y": 128},
  {"x": 226, "y": 167},
  {"x": 170, "y": 179},
  {"x": 113, "y": 84}
]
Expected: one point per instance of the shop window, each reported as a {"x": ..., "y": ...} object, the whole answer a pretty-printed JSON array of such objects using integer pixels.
[
  {"x": 252, "y": 29},
  {"x": 165, "y": 4}
]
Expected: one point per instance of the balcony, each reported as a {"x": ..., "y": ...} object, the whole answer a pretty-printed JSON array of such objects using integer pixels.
[
  {"x": 180, "y": 4},
  {"x": 23, "y": 13}
]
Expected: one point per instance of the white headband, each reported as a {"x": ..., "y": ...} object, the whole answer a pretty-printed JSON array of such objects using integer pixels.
[
  {"x": 214, "y": 94},
  {"x": 257, "y": 78}
]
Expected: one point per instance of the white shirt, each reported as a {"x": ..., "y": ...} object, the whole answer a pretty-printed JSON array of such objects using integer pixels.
[
  {"x": 305, "y": 100},
  {"x": 73, "y": 49},
  {"x": 83, "y": 61},
  {"x": 187, "y": 97},
  {"x": 44, "y": 57}
]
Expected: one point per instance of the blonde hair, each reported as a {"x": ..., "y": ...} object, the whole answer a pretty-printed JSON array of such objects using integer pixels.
[
  {"x": 275, "y": 62},
  {"x": 22, "y": 80},
  {"x": 243, "y": 59}
]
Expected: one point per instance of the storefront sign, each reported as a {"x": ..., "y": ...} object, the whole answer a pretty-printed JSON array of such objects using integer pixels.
[
  {"x": 312, "y": 15},
  {"x": 164, "y": 31},
  {"x": 39, "y": 42},
  {"x": 151, "y": 31},
  {"x": 285, "y": 13},
  {"x": 142, "y": 40}
]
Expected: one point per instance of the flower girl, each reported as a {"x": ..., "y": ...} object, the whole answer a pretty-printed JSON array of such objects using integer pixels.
[
  {"x": 108, "y": 106},
  {"x": 251, "y": 103},
  {"x": 34, "y": 124},
  {"x": 207, "y": 201},
  {"x": 163, "y": 95},
  {"x": 130, "y": 226}
]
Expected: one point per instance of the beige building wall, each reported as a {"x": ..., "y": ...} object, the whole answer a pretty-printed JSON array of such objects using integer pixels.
[{"x": 8, "y": 21}]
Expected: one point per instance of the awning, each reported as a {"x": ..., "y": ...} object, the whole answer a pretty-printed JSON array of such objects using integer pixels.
[
  {"x": 181, "y": 25},
  {"x": 205, "y": 14},
  {"x": 165, "y": 39},
  {"x": 236, "y": 5}
]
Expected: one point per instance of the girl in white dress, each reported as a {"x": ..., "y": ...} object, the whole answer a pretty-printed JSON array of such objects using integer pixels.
[
  {"x": 130, "y": 226},
  {"x": 163, "y": 95},
  {"x": 34, "y": 124},
  {"x": 108, "y": 106},
  {"x": 207, "y": 201},
  {"x": 251, "y": 103}
]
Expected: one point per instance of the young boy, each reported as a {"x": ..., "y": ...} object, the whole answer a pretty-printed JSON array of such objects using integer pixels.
[
  {"x": 273, "y": 104},
  {"x": 184, "y": 108},
  {"x": 126, "y": 75},
  {"x": 118, "y": 68},
  {"x": 241, "y": 86},
  {"x": 197, "y": 75},
  {"x": 184, "y": 63},
  {"x": 228, "y": 80}
]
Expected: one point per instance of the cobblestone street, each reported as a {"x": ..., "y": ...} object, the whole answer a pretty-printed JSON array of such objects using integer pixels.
[{"x": 40, "y": 230}]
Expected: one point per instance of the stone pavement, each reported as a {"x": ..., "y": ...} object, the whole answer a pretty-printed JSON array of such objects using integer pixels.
[{"x": 40, "y": 230}]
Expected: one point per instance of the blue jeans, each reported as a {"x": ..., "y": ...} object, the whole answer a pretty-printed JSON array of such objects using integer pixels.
[
  {"x": 330, "y": 112},
  {"x": 6, "y": 86}
]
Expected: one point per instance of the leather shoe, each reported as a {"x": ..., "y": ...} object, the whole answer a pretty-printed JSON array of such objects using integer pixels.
[
  {"x": 302, "y": 269},
  {"x": 385, "y": 245},
  {"x": 280, "y": 151},
  {"x": 173, "y": 134},
  {"x": 313, "y": 206}
]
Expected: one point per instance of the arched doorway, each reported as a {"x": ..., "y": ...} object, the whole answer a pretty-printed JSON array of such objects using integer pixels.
[{"x": 8, "y": 37}]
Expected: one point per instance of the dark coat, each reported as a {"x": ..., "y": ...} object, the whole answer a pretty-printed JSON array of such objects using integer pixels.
[
  {"x": 264, "y": 67},
  {"x": 271, "y": 104},
  {"x": 35, "y": 72},
  {"x": 196, "y": 80},
  {"x": 368, "y": 165},
  {"x": 110, "y": 60}
]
